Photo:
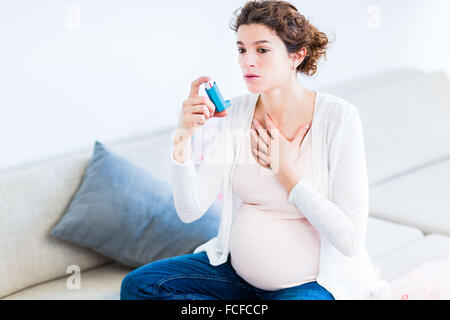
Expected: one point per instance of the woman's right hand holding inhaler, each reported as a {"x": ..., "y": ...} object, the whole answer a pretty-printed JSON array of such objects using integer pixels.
[{"x": 196, "y": 110}]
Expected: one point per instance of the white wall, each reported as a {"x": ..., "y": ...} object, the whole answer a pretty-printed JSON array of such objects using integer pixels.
[{"x": 123, "y": 68}]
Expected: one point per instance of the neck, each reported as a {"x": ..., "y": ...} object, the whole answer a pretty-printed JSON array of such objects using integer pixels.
[{"x": 284, "y": 103}]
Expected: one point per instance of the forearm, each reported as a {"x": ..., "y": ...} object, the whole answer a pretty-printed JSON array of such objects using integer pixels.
[
  {"x": 182, "y": 147},
  {"x": 194, "y": 185},
  {"x": 343, "y": 231}
]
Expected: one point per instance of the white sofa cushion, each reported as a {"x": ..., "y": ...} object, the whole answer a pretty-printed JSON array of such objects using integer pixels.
[
  {"x": 33, "y": 199},
  {"x": 420, "y": 199},
  {"x": 364, "y": 82},
  {"x": 101, "y": 283},
  {"x": 411, "y": 255},
  {"x": 405, "y": 123},
  {"x": 31, "y": 202},
  {"x": 384, "y": 236}
]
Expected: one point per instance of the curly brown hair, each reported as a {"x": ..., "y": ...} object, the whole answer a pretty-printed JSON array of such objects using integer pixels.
[{"x": 290, "y": 25}]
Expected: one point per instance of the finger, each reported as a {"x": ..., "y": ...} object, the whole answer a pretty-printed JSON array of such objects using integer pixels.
[
  {"x": 201, "y": 109},
  {"x": 269, "y": 122},
  {"x": 211, "y": 106},
  {"x": 205, "y": 101},
  {"x": 198, "y": 119},
  {"x": 273, "y": 130},
  {"x": 220, "y": 114},
  {"x": 262, "y": 157},
  {"x": 195, "y": 85},
  {"x": 300, "y": 135},
  {"x": 261, "y": 145},
  {"x": 260, "y": 160},
  {"x": 262, "y": 132}
]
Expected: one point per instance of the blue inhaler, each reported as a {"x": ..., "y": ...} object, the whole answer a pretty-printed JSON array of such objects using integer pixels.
[{"x": 212, "y": 90}]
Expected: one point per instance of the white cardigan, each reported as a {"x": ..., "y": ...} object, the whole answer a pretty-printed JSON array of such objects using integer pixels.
[{"x": 336, "y": 203}]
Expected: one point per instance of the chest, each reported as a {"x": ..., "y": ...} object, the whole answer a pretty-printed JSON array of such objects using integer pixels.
[{"x": 288, "y": 130}]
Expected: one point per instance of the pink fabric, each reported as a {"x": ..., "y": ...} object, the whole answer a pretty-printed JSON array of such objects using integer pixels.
[
  {"x": 431, "y": 281},
  {"x": 272, "y": 245}
]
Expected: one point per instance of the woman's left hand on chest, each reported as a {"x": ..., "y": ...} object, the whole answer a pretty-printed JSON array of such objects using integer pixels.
[{"x": 278, "y": 152}]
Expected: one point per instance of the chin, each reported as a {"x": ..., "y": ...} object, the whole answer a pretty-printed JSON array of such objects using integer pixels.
[{"x": 254, "y": 89}]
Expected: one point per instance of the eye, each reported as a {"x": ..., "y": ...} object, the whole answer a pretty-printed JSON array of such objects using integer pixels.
[{"x": 265, "y": 50}]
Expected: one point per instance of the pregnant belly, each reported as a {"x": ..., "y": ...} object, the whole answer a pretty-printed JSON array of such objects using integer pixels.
[{"x": 272, "y": 252}]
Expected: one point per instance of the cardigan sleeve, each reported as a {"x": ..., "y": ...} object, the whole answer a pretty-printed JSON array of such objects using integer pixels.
[
  {"x": 344, "y": 221},
  {"x": 196, "y": 185}
]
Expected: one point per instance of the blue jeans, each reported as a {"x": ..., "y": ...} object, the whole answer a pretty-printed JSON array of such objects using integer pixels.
[{"x": 192, "y": 277}]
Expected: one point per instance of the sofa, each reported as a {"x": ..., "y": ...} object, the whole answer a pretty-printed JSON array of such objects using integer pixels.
[{"x": 405, "y": 115}]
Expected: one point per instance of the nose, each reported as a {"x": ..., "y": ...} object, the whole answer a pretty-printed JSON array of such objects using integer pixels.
[
  {"x": 249, "y": 65},
  {"x": 248, "y": 60}
]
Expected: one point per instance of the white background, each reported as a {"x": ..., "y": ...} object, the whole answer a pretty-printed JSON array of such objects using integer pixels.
[{"x": 120, "y": 69}]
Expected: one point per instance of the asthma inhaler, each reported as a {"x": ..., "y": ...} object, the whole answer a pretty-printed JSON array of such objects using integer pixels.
[{"x": 212, "y": 90}]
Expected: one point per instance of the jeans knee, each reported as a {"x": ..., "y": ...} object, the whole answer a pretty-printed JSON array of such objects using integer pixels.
[
  {"x": 137, "y": 285},
  {"x": 129, "y": 288},
  {"x": 126, "y": 287}
]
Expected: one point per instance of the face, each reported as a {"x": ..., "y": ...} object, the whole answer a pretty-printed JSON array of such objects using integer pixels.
[{"x": 269, "y": 59}]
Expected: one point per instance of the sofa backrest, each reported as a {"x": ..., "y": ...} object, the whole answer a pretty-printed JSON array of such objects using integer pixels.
[
  {"x": 33, "y": 199},
  {"x": 405, "y": 117}
]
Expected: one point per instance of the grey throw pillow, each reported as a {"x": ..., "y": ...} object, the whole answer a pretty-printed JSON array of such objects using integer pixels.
[{"x": 125, "y": 213}]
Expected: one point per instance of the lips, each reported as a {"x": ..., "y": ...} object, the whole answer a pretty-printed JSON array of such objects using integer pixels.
[{"x": 251, "y": 76}]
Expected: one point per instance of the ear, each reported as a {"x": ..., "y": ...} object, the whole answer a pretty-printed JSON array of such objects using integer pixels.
[{"x": 298, "y": 57}]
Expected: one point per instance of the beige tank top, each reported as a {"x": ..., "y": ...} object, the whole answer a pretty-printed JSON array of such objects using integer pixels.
[{"x": 272, "y": 245}]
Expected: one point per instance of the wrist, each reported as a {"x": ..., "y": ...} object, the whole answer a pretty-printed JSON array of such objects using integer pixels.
[
  {"x": 181, "y": 134},
  {"x": 289, "y": 180}
]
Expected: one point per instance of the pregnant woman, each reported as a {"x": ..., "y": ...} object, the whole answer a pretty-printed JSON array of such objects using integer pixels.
[{"x": 295, "y": 193}]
